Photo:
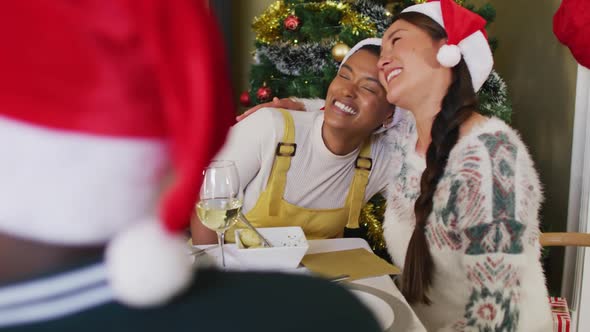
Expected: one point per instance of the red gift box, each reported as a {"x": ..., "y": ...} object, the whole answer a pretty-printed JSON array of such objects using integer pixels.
[{"x": 561, "y": 314}]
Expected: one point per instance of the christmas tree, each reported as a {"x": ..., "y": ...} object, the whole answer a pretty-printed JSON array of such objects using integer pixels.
[{"x": 299, "y": 44}]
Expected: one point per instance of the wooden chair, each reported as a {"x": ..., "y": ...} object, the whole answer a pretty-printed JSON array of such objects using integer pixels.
[
  {"x": 559, "y": 308},
  {"x": 565, "y": 239}
]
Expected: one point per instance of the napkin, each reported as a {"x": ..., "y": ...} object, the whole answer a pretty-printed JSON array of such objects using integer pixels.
[{"x": 356, "y": 263}]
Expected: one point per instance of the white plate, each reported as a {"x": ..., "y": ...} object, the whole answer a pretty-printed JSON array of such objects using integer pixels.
[
  {"x": 383, "y": 311},
  {"x": 392, "y": 314}
]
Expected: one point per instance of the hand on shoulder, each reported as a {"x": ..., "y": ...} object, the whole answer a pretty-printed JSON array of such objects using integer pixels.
[{"x": 286, "y": 103}]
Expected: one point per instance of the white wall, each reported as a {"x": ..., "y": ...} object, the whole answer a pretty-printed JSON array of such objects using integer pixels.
[{"x": 580, "y": 201}]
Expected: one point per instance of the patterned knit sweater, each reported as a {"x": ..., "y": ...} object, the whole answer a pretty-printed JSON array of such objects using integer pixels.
[{"x": 482, "y": 233}]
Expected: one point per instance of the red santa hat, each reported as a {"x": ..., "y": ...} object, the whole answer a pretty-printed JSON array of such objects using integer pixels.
[
  {"x": 466, "y": 35},
  {"x": 97, "y": 100},
  {"x": 571, "y": 25}
]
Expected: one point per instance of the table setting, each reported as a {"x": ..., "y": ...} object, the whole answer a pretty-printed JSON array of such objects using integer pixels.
[
  {"x": 347, "y": 261},
  {"x": 378, "y": 292}
]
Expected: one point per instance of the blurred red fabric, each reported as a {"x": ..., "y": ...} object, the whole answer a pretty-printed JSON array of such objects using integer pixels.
[
  {"x": 122, "y": 68},
  {"x": 571, "y": 25}
]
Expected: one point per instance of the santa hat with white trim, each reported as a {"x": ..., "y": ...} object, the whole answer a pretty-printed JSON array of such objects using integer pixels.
[
  {"x": 466, "y": 35},
  {"x": 91, "y": 117}
]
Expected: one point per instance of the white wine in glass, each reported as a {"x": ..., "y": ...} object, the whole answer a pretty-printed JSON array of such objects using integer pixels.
[
  {"x": 219, "y": 206},
  {"x": 219, "y": 214}
]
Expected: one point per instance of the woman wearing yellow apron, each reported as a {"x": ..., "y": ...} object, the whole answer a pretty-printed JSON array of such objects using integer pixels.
[{"x": 314, "y": 169}]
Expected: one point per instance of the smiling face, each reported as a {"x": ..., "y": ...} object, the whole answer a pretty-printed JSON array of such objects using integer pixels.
[
  {"x": 356, "y": 101},
  {"x": 408, "y": 68}
]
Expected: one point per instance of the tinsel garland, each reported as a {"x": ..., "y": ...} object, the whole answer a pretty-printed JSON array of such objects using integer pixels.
[
  {"x": 268, "y": 26},
  {"x": 376, "y": 14},
  {"x": 357, "y": 23},
  {"x": 351, "y": 19},
  {"x": 290, "y": 59},
  {"x": 305, "y": 85},
  {"x": 371, "y": 219},
  {"x": 493, "y": 98}
]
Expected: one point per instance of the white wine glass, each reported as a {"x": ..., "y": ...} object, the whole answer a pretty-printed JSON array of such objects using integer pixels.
[{"x": 219, "y": 205}]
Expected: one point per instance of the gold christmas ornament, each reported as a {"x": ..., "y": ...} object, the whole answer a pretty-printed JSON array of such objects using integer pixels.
[{"x": 339, "y": 51}]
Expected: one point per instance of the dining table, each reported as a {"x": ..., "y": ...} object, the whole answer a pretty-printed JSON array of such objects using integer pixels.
[{"x": 380, "y": 294}]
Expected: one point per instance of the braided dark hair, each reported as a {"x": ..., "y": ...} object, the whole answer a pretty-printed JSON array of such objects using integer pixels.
[{"x": 457, "y": 106}]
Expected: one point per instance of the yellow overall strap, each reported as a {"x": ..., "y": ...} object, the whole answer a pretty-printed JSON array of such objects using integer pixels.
[
  {"x": 363, "y": 165},
  {"x": 278, "y": 176}
]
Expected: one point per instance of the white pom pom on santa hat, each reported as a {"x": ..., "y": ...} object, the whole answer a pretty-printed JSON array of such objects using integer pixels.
[
  {"x": 449, "y": 55},
  {"x": 147, "y": 265}
]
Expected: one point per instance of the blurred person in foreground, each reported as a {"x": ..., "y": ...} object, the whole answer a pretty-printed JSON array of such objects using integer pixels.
[{"x": 100, "y": 102}]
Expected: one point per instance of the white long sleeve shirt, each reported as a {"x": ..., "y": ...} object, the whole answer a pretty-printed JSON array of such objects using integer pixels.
[{"x": 317, "y": 178}]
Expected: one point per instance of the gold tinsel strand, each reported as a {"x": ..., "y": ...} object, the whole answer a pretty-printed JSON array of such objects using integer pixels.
[
  {"x": 268, "y": 25},
  {"x": 370, "y": 219},
  {"x": 350, "y": 18},
  {"x": 358, "y": 22}
]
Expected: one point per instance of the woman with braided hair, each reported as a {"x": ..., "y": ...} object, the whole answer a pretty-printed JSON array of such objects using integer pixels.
[{"x": 462, "y": 204}]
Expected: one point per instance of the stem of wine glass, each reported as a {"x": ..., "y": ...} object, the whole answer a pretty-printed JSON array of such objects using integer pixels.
[{"x": 220, "y": 240}]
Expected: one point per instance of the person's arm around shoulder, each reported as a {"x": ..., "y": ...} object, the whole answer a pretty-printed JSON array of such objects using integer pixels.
[{"x": 291, "y": 103}]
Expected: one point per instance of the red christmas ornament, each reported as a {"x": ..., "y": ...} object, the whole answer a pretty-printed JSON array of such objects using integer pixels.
[
  {"x": 292, "y": 22},
  {"x": 264, "y": 93},
  {"x": 245, "y": 99}
]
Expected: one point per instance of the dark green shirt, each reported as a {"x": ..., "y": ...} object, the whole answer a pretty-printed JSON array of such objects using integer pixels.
[{"x": 81, "y": 301}]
